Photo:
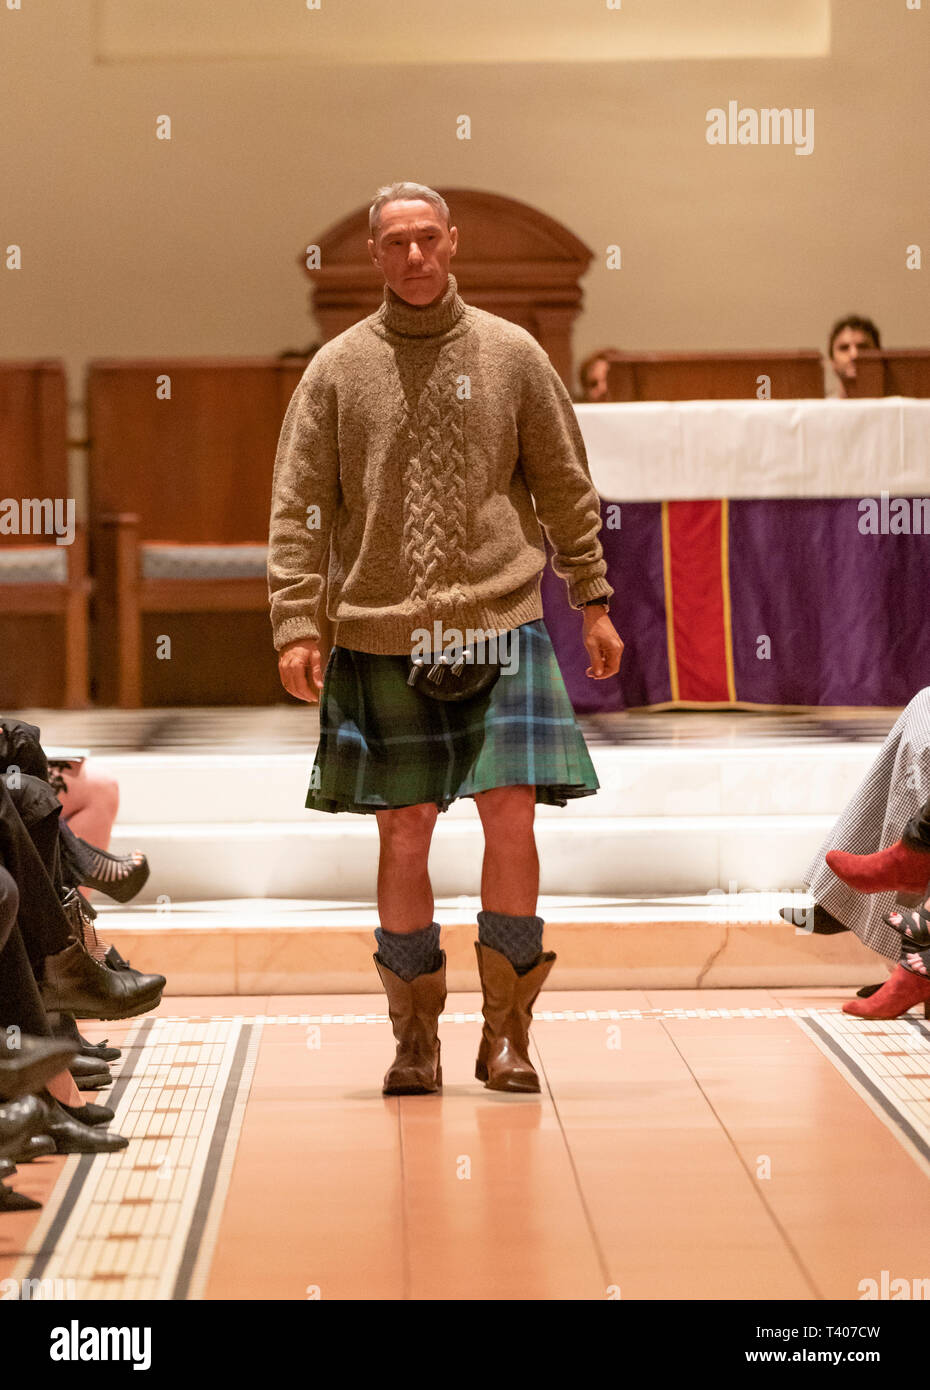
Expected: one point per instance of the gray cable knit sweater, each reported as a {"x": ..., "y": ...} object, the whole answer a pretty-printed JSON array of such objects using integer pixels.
[{"x": 414, "y": 448}]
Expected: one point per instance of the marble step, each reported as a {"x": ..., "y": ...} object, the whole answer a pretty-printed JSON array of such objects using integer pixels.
[
  {"x": 815, "y": 778},
  {"x": 255, "y": 946},
  {"x": 338, "y": 856}
]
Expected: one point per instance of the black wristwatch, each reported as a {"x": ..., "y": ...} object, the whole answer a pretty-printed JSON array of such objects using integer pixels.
[{"x": 599, "y": 602}]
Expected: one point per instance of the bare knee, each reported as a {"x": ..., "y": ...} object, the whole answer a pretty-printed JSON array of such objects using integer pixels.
[
  {"x": 96, "y": 791},
  {"x": 507, "y": 810},
  {"x": 406, "y": 831}
]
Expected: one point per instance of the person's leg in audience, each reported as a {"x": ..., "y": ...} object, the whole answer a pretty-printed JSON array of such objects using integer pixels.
[
  {"x": 903, "y": 867},
  {"x": 20, "y": 1000},
  {"x": 53, "y": 932},
  {"x": 888, "y": 801},
  {"x": 29, "y": 850},
  {"x": 90, "y": 803}
]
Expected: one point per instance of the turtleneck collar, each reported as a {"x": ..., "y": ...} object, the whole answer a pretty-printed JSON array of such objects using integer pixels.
[{"x": 412, "y": 321}]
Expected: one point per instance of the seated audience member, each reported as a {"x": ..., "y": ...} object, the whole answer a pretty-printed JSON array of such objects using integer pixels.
[
  {"x": 593, "y": 375},
  {"x": 848, "y": 337},
  {"x": 89, "y": 801},
  {"x": 903, "y": 867},
  {"x": 43, "y": 965},
  {"x": 886, "y": 823},
  {"x": 74, "y": 863}
]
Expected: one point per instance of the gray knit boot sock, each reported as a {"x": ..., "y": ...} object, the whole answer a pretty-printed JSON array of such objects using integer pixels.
[
  {"x": 517, "y": 938},
  {"x": 409, "y": 954}
]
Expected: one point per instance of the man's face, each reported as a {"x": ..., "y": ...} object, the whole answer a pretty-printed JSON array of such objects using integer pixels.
[
  {"x": 846, "y": 348},
  {"x": 595, "y": 384},
  {"x": 413, "y": 249}
]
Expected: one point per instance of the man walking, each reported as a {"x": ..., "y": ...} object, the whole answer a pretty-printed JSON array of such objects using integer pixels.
[{"x": 424, "y": 446}]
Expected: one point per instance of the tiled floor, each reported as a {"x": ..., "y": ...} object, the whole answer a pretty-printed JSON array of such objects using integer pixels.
[{"x": 733, "y": 1144}]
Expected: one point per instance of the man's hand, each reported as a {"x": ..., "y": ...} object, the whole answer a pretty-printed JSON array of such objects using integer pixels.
[
  {"x": 602, "y": 643},
  {"x": 294, "y": 661}
]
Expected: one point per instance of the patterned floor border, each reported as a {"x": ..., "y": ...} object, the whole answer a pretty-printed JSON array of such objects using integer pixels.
[
  {"x": 539, "y": 1016},
  {"x": 142, "y": 1223},
  {"x": 887, "y": 1062}
]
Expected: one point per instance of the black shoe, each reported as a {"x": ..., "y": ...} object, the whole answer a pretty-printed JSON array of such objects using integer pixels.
[
  {"x": 38, "y": 1146},
  {"x": 74, "y": 1138},
  {"x": 16, "y": 1201},
  {"x": 90, "y": 1074},
  {"x": 100, "y": 1051},
  {"x": 823, "y": 924},
  {"x": 7, "y": 1168},
  {"x": 73, "y": 982},
  {"x": 114, "y": 961},
  {"x": 88, "y": 1114},
  {"x": 119, "y": 876},
  {"x": 64, "y": 1026},
  {"x": 19, "y": 1120},
  {"x": 26, "y": 1063}
]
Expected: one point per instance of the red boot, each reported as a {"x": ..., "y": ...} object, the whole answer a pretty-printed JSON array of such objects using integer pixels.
[
  {"x": 900, "y": 992},
  {"x": 899, "y": 867}
]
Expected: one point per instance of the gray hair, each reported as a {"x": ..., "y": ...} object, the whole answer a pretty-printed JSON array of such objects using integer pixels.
[{"x": 405, "y": 193}]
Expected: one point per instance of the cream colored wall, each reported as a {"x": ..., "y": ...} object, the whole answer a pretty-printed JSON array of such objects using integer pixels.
[{"x": 135, "y": 246}]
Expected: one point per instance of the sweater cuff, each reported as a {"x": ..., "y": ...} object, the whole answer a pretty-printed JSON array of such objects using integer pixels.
[
  {"x": 589, "y": 589},
  {"x": 294, "y": 630}
]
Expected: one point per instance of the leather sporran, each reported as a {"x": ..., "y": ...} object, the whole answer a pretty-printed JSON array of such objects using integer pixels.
[{"x": 455, "y": 675}]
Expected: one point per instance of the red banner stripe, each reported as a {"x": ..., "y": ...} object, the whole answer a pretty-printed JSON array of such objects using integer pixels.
[{"x": 695, "y": 538}]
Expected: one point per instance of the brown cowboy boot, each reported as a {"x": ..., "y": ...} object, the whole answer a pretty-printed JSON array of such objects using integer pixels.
[
  {"x": 414, "y": 1007},
  {"x": 503, "y": 1056}
]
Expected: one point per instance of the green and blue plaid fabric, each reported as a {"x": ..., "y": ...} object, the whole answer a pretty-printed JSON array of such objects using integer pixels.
[{"x": 384, "y": 744}]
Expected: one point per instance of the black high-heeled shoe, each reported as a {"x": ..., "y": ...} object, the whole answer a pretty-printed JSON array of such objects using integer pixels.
[
  {"x": 16, "y": 1201},
  {"x": 119, "y": 876}
]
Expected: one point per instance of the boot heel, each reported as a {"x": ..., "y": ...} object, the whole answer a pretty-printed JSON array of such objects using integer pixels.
[{"x": 481, "y": 1071}]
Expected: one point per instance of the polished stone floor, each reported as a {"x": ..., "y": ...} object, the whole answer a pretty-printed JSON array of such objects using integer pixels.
[{"x": 736, "y": 1144}]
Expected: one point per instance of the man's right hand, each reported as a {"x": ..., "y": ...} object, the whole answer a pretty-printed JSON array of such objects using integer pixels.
[{"x": 294, "y": 662}]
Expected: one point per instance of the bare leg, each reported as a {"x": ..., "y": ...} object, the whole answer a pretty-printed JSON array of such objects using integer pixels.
[
  {"x": 510, "y": 871},
  {"x": 90, "y": 803},
  {"x": 405, "y": 896},
  {"x": 63, "y": 1088}
]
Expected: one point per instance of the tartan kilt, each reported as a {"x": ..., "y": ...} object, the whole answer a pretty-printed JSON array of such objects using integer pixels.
[{"x": 383, "y": 743}]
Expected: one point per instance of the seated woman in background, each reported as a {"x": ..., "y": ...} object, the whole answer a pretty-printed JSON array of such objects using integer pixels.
[{"x": 880, "y": 846}]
